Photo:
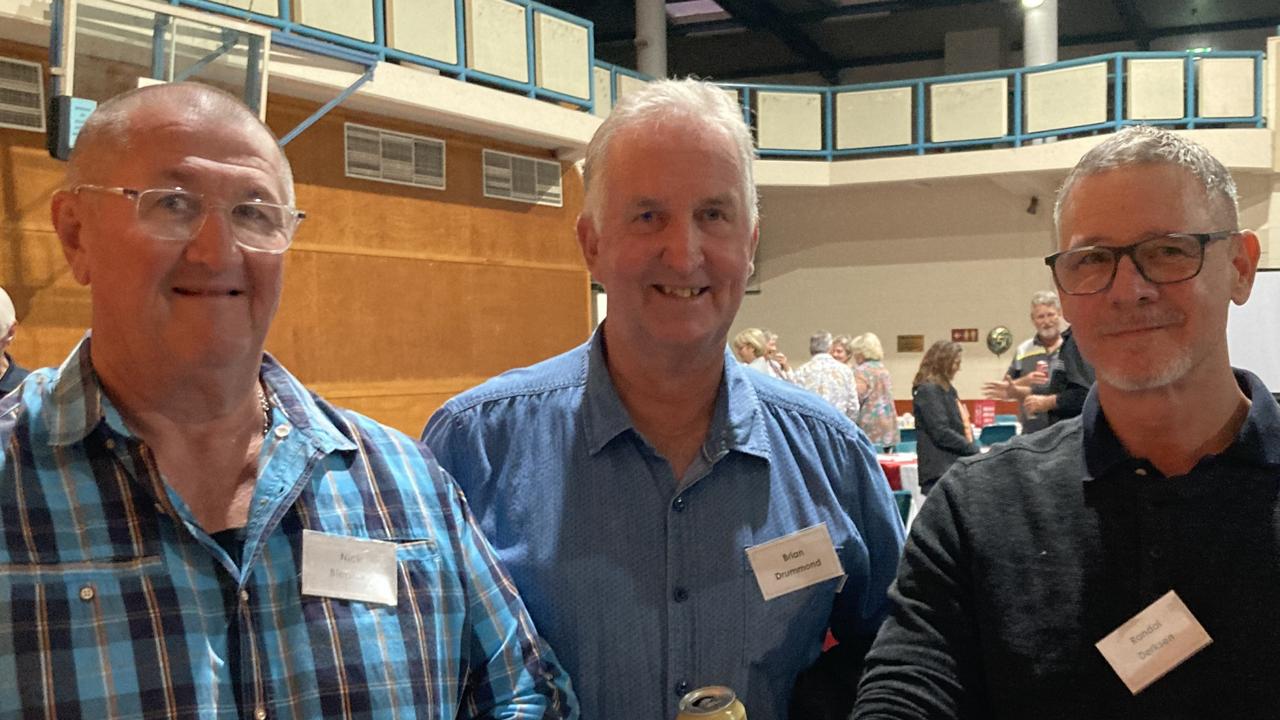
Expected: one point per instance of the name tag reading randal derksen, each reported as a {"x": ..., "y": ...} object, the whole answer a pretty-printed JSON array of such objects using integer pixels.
[
  {"x": 795, "y": 561},
  {"x": 348, "y": 568}
]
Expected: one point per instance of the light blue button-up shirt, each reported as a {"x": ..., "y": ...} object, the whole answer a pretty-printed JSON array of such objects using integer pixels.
[
  {"x": 114, "y": 603},
  {"x": 643, "y": 589}
]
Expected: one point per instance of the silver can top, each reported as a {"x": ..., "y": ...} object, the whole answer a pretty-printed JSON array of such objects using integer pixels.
[{"x": 707, "y": 700}]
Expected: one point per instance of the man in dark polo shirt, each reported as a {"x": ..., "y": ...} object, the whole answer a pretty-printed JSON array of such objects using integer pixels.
[
  {"x": 11, "y": 373},
  {"x": 1126, "y": 563}
]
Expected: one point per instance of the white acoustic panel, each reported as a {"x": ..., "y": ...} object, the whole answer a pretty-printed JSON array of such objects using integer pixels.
[
  {"x": 562, "y": 56},
  {"x": 873, "y": 118},
  {"x": 789, "y": 121},
  {"x": 496, "y": 41},
  {"x": 1065, "y": 98},
  {"x": 424, "y": 27},
  {"x": 1225, "y": 88},
  {"x": 626, "y": 84},
  {"x": 1156, "y": 89},
  {"x": 971, "y": 110},
  {"x": 604, "y": 91},
  {"x": 342, "y": 17}
]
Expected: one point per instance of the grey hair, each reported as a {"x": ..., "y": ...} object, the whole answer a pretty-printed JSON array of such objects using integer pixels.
[
  {"x": 819, "y": 342},
  {"x": 1046, "y": 297},
  {"x": 1143, "y": 144},
  {"x": 664, "y": 100},
  {"x": 7, "y": 313},
  {"x": 106, "y": 133},
  {"x": 868, "y": 346}
]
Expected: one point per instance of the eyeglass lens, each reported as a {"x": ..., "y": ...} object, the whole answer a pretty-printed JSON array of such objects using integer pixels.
[
  {"x": 178, "y": 215},
  {"x": 1165, "y": 259}
]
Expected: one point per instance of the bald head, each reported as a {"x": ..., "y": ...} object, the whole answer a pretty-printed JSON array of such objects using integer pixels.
[{"x": 109, "y": 132}]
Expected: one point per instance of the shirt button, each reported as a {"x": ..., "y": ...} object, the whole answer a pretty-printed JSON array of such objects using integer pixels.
[
  {"x": 282, "y": 431},
  {"x": 682, "y": 688},
  {"x": 1140, "y": 472},
  {"x": 244, "y": 596},
  {"x": 678, "y": 504},
  {"x": 1155, "y": 553},
  {"x": 87, "y": 593},
  {"x": 110, "y": 444},
  {"x": 680, "y": 595},
  {"x": 260, "y": 714}
]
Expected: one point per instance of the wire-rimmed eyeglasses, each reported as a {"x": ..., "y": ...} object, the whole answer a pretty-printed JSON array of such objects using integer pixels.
[
  {"x": 176, "y": 214},
  {"x": 1160, "y": 260}
]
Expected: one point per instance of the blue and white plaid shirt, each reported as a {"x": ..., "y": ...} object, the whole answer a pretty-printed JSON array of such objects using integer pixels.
[{"x": 115, "y": 604}]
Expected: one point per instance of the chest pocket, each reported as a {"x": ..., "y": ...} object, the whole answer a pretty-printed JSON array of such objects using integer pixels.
[
  {"x": 94, "y": 639},
  {"x": 373, "y": 655}
]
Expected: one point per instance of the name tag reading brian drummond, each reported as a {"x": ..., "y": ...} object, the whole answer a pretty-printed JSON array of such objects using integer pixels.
[
  {"x": 1156, "y": 640},
  {"x": 794, "y": 561},
  {"x": 348, "y": 568}
]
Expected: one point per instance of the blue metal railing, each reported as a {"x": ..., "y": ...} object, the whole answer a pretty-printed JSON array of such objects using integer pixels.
[
  {"x": 284, "y": 25},
  {"x": 920, "y": 144}
]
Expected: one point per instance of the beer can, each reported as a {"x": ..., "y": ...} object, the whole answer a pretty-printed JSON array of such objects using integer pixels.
[
  {"x": 714, "y": 702},
  {"x": 1042, "y": 366}
]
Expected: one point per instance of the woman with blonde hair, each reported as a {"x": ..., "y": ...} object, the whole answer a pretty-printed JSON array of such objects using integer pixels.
[
  {"x": 749, "y": 345},
  {"x": 943, "y": 433},
  {"x": 841, "y": 349},
  {"x": 876, "y": 414}
]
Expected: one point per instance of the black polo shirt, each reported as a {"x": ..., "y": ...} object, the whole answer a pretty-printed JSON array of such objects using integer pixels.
[{"x": 1022, "y": 559}]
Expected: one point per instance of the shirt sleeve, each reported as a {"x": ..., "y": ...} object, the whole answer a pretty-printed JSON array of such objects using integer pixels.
[
  {"x": 925, "y": 662},
  {"x": 513, "y": 674},
  {"x": 865, "y": 495}
]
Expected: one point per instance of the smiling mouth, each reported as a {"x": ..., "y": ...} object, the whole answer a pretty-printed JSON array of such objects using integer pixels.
[
  {"x": 680, "y": 292},
  {"x": 211, "y": 293}
]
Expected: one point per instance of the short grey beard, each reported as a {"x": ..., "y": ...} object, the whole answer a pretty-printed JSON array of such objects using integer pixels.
[{"x": 1173, "y": 371}]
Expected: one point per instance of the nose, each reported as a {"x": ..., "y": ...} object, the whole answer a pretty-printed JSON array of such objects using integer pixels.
[
  {"x": 213, "y": 244},
  {"x": 1129, "y": 286},
  {"x": 682, "y": 246}
]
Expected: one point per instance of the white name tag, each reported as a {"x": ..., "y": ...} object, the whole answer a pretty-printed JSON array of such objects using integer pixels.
[
  {"x": 794, "y": 561},
  {"x": 348, "y": 568},
  {"x": 1155, "y": 641}
]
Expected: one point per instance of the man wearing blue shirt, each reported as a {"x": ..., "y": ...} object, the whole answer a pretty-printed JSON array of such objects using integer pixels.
[
  {"x": 631, "y": 484},
  {"x": 187, "y": 531}
]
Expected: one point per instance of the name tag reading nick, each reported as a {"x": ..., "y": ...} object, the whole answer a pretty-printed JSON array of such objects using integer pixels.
[
  {"x": 1158, "y": 639},
  {"x": 794, "y": 561},
  {"x": 348, "y": 568}
]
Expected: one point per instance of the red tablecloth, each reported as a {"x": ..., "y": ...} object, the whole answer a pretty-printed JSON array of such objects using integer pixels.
[{"x": 892, "y": 466}]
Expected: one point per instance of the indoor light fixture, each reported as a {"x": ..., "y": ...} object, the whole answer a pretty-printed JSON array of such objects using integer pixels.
[{"x": 1032, "y": 4}]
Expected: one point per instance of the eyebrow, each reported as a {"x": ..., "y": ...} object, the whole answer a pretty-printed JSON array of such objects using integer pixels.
[
  {"x": 1095, "y": 240},
  {"x": 183, "y": 178}
]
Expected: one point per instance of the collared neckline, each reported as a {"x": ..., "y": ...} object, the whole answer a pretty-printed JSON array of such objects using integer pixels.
[
  {"x": 737, "y": 422},
  {"x": 77, "y": 404},
  {"x": 1253, "y": 443}
]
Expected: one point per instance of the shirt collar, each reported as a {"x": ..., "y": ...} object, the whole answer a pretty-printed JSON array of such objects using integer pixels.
[
  {"x": 737, "y": 424},
  {"x": 77, "y": 404},
  {"x": 1254, "y": 443}
]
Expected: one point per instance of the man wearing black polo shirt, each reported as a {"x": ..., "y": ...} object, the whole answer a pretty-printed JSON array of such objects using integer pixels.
[{"x": 1126, "y": 563}]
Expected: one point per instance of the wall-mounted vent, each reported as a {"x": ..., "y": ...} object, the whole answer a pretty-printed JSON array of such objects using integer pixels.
[
  {"x": 523, "y": 179},
  {"x": 374, "y": 154},
  {"x": 21, "y": 95}
]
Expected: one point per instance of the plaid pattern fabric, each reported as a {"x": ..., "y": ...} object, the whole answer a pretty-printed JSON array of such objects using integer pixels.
[{"x": 115, "y": 604}]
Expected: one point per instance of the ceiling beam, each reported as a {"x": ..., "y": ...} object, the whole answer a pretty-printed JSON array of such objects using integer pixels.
[{"x": 763, "y": 16}]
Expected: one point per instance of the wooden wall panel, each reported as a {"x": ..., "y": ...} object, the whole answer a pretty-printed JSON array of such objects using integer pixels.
[{"x": 396, "y": 297}]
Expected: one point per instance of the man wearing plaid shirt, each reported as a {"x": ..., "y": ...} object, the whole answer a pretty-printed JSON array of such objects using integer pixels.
[{"x": 186, "y": 530}]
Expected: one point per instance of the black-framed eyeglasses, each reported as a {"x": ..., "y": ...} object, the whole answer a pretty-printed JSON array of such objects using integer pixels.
[
  {"x": 1160, "y": 260},
  {"x": 176, "y": 214}
]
